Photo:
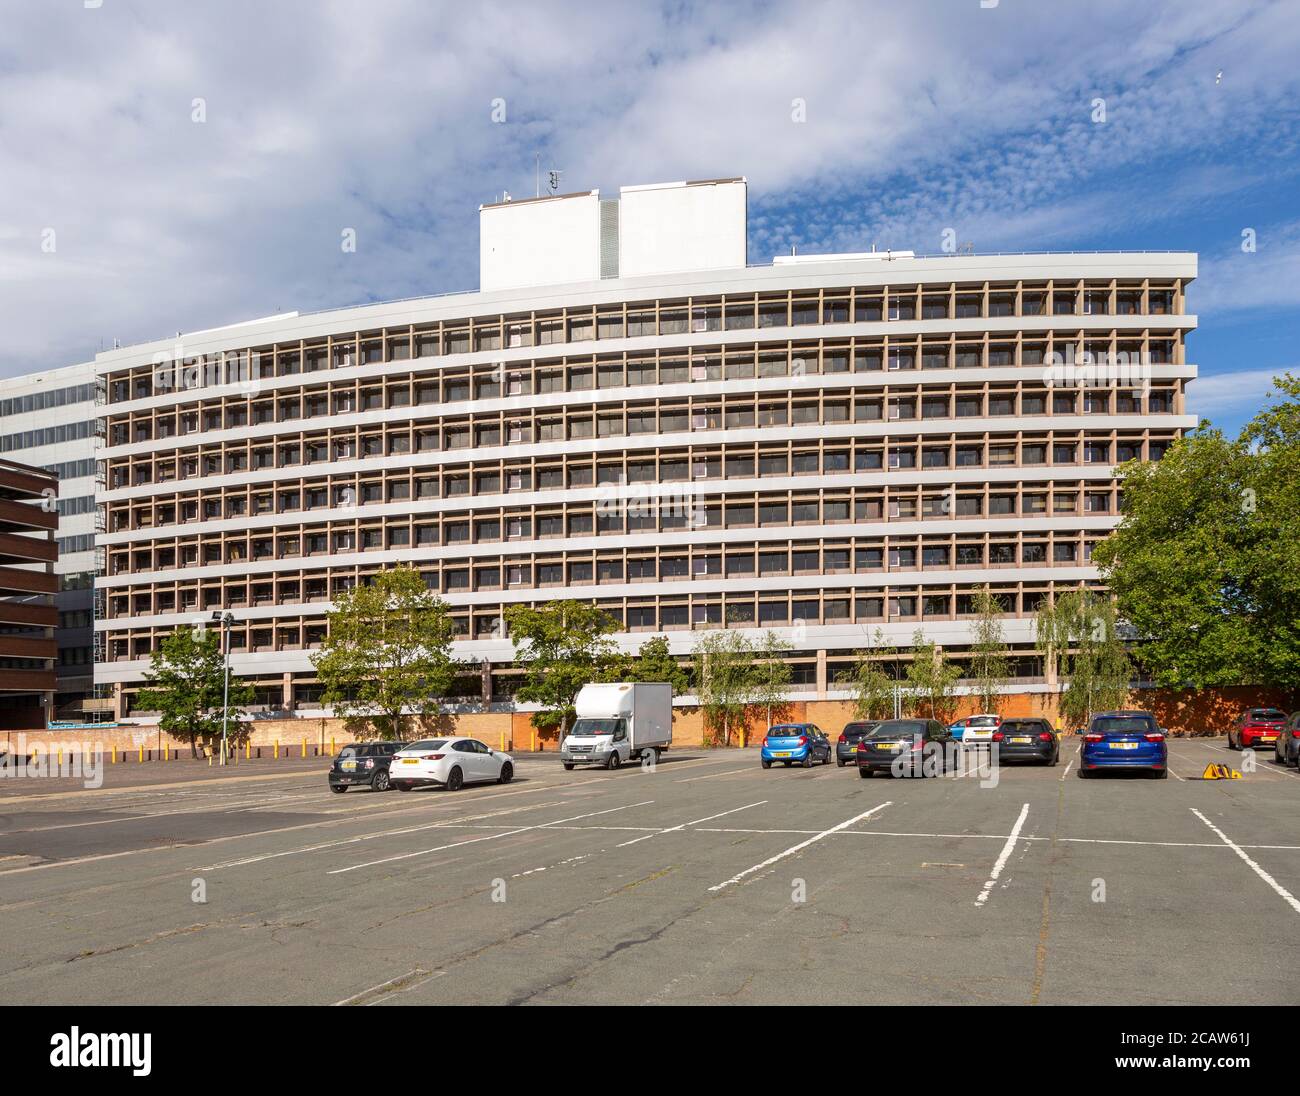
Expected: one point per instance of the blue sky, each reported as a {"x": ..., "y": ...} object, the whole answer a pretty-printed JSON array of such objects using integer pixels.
[{"x": 194, "y": 165}]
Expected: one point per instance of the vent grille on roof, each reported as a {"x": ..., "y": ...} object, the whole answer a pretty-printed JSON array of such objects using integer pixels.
[{"x": 609, "y": 238}]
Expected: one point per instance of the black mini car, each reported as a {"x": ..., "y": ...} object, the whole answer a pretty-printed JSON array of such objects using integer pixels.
[{"x": 363, "y": 763}]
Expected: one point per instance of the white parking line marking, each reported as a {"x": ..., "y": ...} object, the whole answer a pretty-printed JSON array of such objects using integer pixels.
[
  {"x": 1004, "y": 856},
  {"x": 1067, "y": 768},
  {"x": 488, "y": 837},
  {"x": 674, "y": 829},
  {"x": 802, "y": 845},
  {"x": 729, "y": 772},
  {"x": 441, "y": 824},
  {"x": 1281, "y": 890},
  {"x": 403, "y": 982}
]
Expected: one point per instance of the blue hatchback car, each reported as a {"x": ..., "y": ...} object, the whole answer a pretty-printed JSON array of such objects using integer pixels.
[
  {"x": 791, "y": 743},
  {"x": 1124, "y": 740}
]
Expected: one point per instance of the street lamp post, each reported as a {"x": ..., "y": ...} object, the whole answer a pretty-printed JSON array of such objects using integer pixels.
[{"x": 225, "y": 620}]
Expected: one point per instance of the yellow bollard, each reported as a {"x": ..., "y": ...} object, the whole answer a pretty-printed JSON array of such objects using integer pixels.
[
  {"x": 333, "y": 751},
  {"x": 304, "y": 747},
  {"x": 534, "y": 742},
  {"x": 141, "y": 755},
  {"x": 248, "y": 750},
  {"x": 60, "y": 757},
  {"x": 114, "y": 755},
  {"x": 277, "y": 751}
]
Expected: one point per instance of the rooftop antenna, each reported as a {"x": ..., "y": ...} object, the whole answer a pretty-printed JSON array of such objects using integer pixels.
[{"x": 553, "y": 180}]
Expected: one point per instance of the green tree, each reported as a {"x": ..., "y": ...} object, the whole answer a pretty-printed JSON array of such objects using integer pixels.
[
  {"x": 388, "y": 653},
  {"x": 873, "y": 689},
  {"x": 562, "y": 646},
  {"x": 185, "y": 683},
  {"x": 771, "y": 675},
  {"x": 724, "y": 681},
  {"x": 1079, "y": 636},
  {"x": 1205, "y": 562},
  {"x": 654, "y": 662},
  {"x": 990, "y": 666},
  {"x": 931, "y": 680}
]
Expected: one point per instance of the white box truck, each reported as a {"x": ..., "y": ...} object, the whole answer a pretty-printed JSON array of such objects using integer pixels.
[{"x": 619, "y": 723}]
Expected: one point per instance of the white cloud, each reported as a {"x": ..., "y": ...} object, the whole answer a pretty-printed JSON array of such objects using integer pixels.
[
  {"x": 376, "y": 116},
  {"x": 1230, "y": 398}
]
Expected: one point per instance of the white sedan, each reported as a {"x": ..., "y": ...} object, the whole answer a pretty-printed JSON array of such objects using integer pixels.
[
  {"x": 979, "y": 729},
  {"x": 450, "y": 762}
]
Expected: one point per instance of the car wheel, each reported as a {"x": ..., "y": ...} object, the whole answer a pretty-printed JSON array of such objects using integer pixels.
[
  {"x": 402, "y": 787},
  {"x": 1083, "y": 773},
  {"x": 568, "y": 766},
  {"x": 613, "y": 761},
  {"x": 840, "y": 762},
  {"x": 507, "y": 773},
  {"x": 1162, "y": 774},
  {"x": 455, "y": 779},
  {"x": 1231, "y": 745},
  {"x": 338, "y": 787},
  {"x": 807, "y": 760},
  {"x": 865, "y": 774},
  {"x": 380, "y": 781},
  {"x": 766, "y": 764},
  {"x": 826, "y": 759}
]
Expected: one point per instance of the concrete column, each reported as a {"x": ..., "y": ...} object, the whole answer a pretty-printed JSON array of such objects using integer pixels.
[
  {"x": 821, "y": 675},
  {"x": 286, "y": 695},
  {"x": 485, "y": 671},
  {"x": 117, "y": 702}
]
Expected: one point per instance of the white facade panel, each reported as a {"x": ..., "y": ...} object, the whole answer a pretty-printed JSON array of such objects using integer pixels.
[
  {"x": 546, "y": 241},
  {"x": 673, "y": 227}
]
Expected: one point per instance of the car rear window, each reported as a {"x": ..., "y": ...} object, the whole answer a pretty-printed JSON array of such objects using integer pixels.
[
  {"x": 1266, "y": 713},
  {"x": 787, "y": 730},
  {"x": 982, "y": 721},
  {"x": 427, "y": 744},
  {"x": 899, "y": 728},
  {"x": 1024, "y": 726},
  {"x": 1124, "y": 725},
  {"x": 857, "y": 730}
]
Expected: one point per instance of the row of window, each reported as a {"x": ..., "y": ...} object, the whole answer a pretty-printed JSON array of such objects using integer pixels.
[
  {"x": 700, "y": 316},
  {"x": 659, "y": 614},
  {"x": 54, "y": 397},
  {"x": 733, "y": 462},
  {"x": 733, "y": 410},
  {"x": 1105, "y": 357},
  {"x": 677, "y": 515},
  {"x": 49, "y": 435},
  {"x": 833, "y": 557}
]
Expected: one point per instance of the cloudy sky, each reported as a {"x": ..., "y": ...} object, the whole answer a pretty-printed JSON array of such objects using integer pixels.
[{"x": 169, "y": 166}]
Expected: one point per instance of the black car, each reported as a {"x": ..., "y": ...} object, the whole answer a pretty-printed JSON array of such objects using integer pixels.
[
  {"x": 363, "y": 763},
  {"x": 846, "y": 748},
  {"x": 1027, "y": 740},
  {"x": 904, "y": 747}
]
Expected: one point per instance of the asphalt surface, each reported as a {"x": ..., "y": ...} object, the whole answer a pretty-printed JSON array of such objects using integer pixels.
[{"x": 707, "y": 880}]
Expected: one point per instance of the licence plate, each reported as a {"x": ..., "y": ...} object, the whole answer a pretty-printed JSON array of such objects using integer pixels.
[
  {"x": 780, "y": 753},
  {"x": 886, "y": 745},
  {"x": 1022, "y": 741},
  {"x": 348, "y": 766},
  {"x": 1123, "y": 745},
  {"x": 410, "y": 761},
  {"x": 1268, "y": 738}
]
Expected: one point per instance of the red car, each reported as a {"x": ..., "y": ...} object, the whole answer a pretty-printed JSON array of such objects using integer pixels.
[{"x": 1255, "y": 727}]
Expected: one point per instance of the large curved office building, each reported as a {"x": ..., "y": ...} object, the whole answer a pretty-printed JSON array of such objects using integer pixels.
[{"x": 628, "y": 412}]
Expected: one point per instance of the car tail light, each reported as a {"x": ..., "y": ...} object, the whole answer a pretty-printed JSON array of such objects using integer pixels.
[
  {"x": 432, "y": 757},
  {"x": 765, "y": 740},
  {"x": 1157, "y": 737},
  {"x": 842, "y": 739},
  {"x": 803, "y": 740},
  {"x": 1044, "y": 737},
  {"x": 1093, "y": 737},
  {"x": 998, "y": 736}
]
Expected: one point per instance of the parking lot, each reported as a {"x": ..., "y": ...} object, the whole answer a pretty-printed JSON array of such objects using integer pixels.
[{"x": 707, "y": 880}]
